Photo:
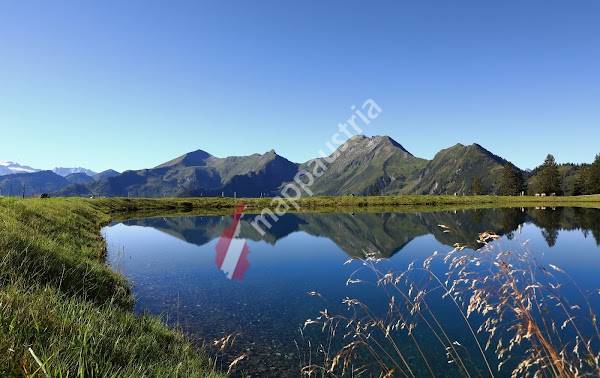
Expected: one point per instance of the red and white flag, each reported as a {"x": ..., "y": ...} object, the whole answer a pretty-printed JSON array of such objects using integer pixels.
[{"x": 232, "y": 253}]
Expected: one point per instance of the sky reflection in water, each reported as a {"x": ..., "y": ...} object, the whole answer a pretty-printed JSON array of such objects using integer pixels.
[{"x": 261, "y": 291}]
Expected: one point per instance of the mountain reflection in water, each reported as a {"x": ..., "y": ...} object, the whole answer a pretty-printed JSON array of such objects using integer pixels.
[
  {"x": 385, "y": 234},
  {"x": 177, "y": 272}
]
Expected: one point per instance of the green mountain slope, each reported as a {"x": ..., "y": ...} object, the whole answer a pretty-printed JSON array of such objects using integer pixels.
[
  {"x": 455, "y": 170},
  {"x": 366, "y": 165}
]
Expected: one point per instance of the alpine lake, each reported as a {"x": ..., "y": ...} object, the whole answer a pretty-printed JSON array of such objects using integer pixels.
[{"x": 215, "y": 275}]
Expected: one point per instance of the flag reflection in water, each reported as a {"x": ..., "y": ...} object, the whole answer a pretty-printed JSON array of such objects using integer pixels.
[{"x": 232, "y": 253}]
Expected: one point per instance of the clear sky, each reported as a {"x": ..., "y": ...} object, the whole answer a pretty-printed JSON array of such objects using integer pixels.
[{"x": 130, "y": 84}]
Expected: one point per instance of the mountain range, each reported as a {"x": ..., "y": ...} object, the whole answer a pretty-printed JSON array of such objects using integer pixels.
[
  {"x": 10, "y": 168},
  {"x": 361, "y": 166},
  {"x": 35, "y": 182}
]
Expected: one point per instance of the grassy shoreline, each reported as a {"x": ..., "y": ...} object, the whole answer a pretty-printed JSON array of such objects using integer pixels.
[
  {"x": 212, "y": 204},
  {"x": 63, "y": 311}
]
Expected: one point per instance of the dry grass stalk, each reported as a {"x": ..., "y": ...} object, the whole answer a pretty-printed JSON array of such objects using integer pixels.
[{"x": 505, "y": 299}]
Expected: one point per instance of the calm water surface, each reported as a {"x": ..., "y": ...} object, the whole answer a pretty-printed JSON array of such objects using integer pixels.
[{"x": 258, "y": 285}]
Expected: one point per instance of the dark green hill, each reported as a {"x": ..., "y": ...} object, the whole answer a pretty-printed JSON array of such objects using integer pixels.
[
  {"x": 105, "y": 174},
  {"x": 456, "y": 169},
  {"x": 31, "y": 183},
  {"x": 79, "y": 178}
]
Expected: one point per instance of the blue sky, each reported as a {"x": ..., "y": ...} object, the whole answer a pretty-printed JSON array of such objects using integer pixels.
[{"x": 130, "y": 84}]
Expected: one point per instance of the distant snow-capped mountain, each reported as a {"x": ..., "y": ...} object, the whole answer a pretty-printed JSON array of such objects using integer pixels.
[
  {"x": 69, "y": 171},
  {"x": 10, "y": 167}
]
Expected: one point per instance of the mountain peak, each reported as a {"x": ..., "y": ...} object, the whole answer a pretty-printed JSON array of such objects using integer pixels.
[
  {"x": 475, "y": 147},
  {"x": 376, "y": 141},
  {"x": 452, "y": 171},
  {"x": 478, "y": 147},
  {"x": 109, "y": 171},
  {"x": 490, "y": 154},
  {"x": 106, "y": 174},
  {"x": 389, "y": 140},
  {"x": 64, "y": 172},
  {"x": 191, "y": 159},
  {"x": 10, "y": 167}
]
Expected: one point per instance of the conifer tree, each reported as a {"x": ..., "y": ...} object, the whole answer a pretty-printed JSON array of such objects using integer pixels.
[
  {"x": 549, "y": 177},
  {"x": 511, "y": 183},
  {"x": 593, "y": 177}
]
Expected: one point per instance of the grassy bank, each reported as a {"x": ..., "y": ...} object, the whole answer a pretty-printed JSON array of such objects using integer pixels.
[
  {"x": 63, "y": 312},
  {"x": 346, "y": 203}
]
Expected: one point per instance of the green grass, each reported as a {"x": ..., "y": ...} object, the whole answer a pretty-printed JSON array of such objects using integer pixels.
[
  {"x": 63, "y": 312},
  {"x": 61, "y": 304},
  {"x": 345, "y": 203}
]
